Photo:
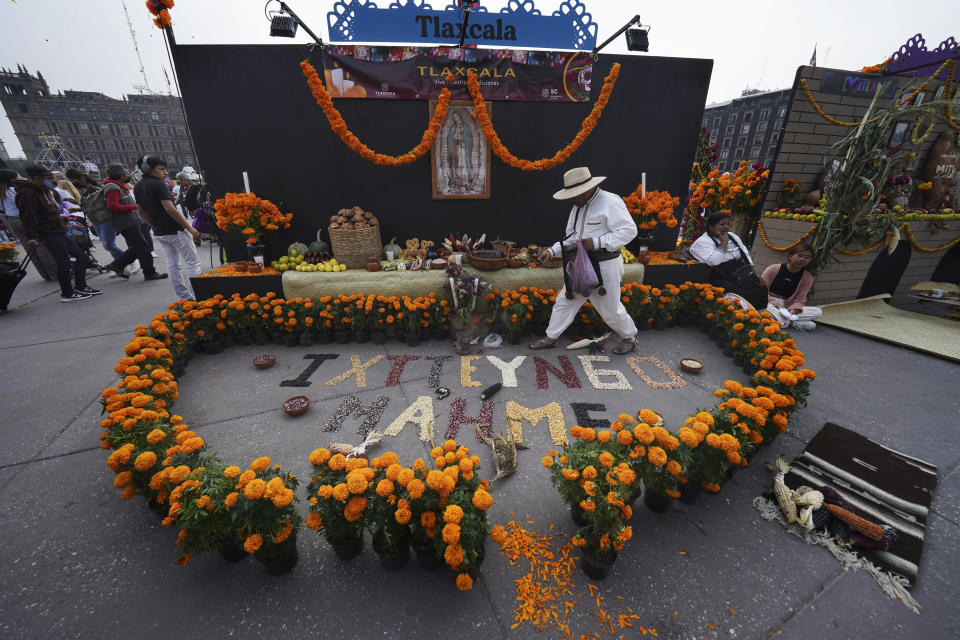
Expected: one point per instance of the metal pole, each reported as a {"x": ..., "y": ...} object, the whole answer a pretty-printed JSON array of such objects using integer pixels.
[
  {"x": 633, "y": 21},
  {"x": 284, "y": 7}
]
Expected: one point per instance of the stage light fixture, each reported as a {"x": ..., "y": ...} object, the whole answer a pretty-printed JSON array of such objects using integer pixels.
[
  {"x": 283, "y": 26},
  {"x": 638, "y": 39}
]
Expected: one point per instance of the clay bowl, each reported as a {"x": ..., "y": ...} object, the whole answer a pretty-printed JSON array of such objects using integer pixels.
[
  {"x": 486, "y": 260},
  {"x": 265, "y": 361},
  {"x": 296, "y": 405},
  {"x": 254, "y": 267},
  {"x": 240, "y": 266},
  {"x": 691, "y": 365}
]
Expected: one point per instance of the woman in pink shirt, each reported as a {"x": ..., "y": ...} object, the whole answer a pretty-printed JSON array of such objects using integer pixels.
[{"x": 788, "y": 285}]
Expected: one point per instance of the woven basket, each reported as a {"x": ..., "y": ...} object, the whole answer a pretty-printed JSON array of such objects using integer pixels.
[
  {"x": 352, "y": 247},
  {"x": 486, "y": 260}
]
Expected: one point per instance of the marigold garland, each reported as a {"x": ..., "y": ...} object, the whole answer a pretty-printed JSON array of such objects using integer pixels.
[
  {"x": 909, "y": 98},
  {"x": 947, "y": 112},
  {"x": 339, "y": 126},
  {"x": 561, "y": 156},
  {"x": 763, "y": 235},
  {"x": 158, "y": 8},
  {"x": 917, "y": 138},
  {"x": 909, "y": 233}
]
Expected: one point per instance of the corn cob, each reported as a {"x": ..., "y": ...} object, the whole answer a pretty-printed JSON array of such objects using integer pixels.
[
  {"x": 784, "y": 495},
  {"x": 855, "y": 522}
]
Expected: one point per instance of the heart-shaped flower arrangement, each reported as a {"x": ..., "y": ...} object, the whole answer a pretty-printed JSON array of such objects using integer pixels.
[{"x": 222, "y": 506}]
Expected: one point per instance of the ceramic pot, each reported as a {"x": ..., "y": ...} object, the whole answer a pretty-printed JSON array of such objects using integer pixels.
[
  {"x": 291, "y": 339},
  {"x": 594, "y": 568},
  {"x": 287, "y": 558},
  {"x": 378, "y": 337},
  {"x": 342, "y": 337},
  {"x": 347, "y": 549},
  {"x": 657, "y": 502}
]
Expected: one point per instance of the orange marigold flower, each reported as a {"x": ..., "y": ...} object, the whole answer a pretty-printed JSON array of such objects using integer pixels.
[{"x": 253, "y": 543}]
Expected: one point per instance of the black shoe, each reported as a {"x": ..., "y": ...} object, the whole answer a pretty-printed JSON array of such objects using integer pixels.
[
  {"x": 156, "y": 276},
  {"x": 121, "y": 273},
  {"x": 90, "y": 291},
  {"x": 74, "y": 297}
]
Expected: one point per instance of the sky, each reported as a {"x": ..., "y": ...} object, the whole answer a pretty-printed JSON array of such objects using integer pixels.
[{"x": 86, "y": 44}]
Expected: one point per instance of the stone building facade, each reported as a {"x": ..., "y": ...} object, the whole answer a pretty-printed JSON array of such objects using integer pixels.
[
  {"x": 94, "y": 127},
  {"x": 748, "y": 127}
]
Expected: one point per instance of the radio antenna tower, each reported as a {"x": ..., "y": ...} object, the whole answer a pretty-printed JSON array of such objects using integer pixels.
[{"x": 133, "y": 36}]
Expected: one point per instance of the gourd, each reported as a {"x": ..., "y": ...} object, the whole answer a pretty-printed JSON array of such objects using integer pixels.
[
  {"x": 319, "y": 246},
  {"x": 299, "y": 247},
  {"x": 393, "y": 246}
]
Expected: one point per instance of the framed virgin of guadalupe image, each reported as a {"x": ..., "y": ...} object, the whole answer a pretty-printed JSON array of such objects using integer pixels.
[
  {"x": 460, "y": 158},
  {"x": 899, "y": 133}
]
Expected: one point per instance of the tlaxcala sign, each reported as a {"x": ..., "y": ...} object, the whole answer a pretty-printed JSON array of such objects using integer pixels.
[{"x": 415, "y": 22}]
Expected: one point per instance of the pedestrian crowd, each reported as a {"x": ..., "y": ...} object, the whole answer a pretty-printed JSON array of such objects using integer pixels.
[{"x": 52, "y": 217}]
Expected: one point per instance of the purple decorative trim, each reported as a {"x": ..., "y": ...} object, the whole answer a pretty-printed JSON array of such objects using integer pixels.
[{"x": 914, "y": 53}]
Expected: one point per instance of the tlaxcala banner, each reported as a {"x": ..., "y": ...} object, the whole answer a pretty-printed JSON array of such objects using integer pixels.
[{"x": 413, "y": 73}]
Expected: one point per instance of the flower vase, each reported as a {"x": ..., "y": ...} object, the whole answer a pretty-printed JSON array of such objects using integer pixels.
[
  {"x": 231, "y": 549},
  {"x": 457, "y": 324},
  {"x": 643, "y": 258},
  {"x": 463, "y": 342},
  {"x": 689, "y": 492},
  {"x": 656, "y": 501},
  {"x": 427, "y": 558},
  {"x": 597, "y": 566},
  {"x": 349, "y": 548},
  {"x": 283, "y": 558},
  {"x": 578, "y": 515},
  {"x": 391, "y": 559}
]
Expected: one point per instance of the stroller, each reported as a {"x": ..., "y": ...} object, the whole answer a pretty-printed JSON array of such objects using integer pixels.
[
  {"x": 11, "y": 273},
  {"x": 78, "y": 231}
]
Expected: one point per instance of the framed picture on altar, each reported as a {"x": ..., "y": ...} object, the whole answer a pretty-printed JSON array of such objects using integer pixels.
[
  {"x": 899, "y": 134},
  {"x": 460, "y": 158}
]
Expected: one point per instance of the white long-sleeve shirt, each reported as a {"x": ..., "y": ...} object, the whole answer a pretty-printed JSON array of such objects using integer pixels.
[
  {"x": 704, "y": 249},
  {"x": 605, "y": 220}
]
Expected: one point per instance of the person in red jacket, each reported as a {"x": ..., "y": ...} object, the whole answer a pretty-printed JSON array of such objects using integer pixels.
[
  {"x": 126, "y": 221},
  {"x": 789, "y": 284},
  {"x": 41, "y": 219}
]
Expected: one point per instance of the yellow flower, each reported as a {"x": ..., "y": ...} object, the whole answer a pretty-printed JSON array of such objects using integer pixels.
[
  {"x": 255, "y": 489},
  {"x": 498, "y": 535},
  {"x": 319, "y": 456},
  {"x": 482, "y": 500},
  {"x": 145, "y": 461},
  {"x": 356, "y": 481},
  {"x": 453, "y": 513},
  {"x": 232, "y": 471},
  {"x": 464, "y": 582},
  {"x": 547, "y": 461},
  {"x": 451, "y": 533},
  {"x": 261, "y": 464},
  {"x": 606, "y": 459},
  {"x": 253, "y": 543},
  {"x": 231, "y": 499},
  {"x": 341, "y": 492}
]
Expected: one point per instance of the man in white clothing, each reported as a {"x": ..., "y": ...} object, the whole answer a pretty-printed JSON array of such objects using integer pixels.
[{"x": 601, "y": 221}]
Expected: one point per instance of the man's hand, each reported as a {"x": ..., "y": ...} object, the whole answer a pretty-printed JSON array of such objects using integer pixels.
[
  {"x": 588, "y": 244},
  {"x": 194, "y": 233},
  {"x": 32, "y": 243},
  {"x": 545, "y": 255}
]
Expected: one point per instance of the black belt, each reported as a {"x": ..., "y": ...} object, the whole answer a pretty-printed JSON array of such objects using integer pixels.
[{"x": 601, "y": 255}]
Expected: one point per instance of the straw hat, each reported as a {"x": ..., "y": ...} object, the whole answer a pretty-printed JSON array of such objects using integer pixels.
[{"x": 577, "y": 181}]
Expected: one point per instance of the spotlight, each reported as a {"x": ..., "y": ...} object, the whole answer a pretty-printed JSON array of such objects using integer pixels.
[
  {"x": 637, "y": 39},
  {"x": 283, "y": 26}
]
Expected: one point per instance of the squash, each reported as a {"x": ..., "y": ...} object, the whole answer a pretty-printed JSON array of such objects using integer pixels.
[
  {"x": 394, "y": 247},
  {"x": 318, "y": 246},
  {"x": 297, "y": 247}
]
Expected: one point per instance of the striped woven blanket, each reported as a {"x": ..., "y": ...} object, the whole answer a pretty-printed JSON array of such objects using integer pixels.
[{"x": 882, "y": 485}]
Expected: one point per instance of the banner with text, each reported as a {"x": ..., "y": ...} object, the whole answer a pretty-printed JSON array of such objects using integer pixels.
[{"x": 412, "y": 73}]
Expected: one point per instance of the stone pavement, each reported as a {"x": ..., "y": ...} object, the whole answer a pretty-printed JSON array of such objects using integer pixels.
[{"x": 81, "y": 563}]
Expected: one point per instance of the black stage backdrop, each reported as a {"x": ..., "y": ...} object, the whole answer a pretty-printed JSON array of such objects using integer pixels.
[{"x": 250, "y": 109}]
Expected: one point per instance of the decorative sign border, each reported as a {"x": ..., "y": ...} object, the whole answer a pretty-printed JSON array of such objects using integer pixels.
[
  {"x": 914, "y": 53},
  {"x": 519, "y": 24}
]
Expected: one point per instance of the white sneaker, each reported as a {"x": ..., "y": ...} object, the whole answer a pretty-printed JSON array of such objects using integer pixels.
[
  {"x": 805, "y": 325},
  {"x": 134, "y": 268},
  {"x": 76, "y": 296},
  {"x": 153, "y": 253}
]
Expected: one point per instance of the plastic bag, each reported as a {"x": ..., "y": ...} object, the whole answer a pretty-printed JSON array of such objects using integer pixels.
[{"x": 582, "y": 275}]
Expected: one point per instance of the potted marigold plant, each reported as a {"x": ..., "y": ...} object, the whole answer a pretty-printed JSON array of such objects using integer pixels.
[
  {"x": 253, "y": 217},
  {"x": 461, "y": 499},
  {"x": 589, "y": 468},
  {"x": 339, "y": 492},
  {"x": 388, "y": 514}
]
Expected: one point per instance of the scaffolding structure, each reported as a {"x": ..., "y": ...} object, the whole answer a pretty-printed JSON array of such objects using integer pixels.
[{"x": 56, "y": 157}]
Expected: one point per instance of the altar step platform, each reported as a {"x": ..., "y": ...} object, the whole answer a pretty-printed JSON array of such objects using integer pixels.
[{"x": 296, "y": 284}]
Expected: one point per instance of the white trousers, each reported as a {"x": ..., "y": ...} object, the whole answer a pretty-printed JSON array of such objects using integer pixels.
[
  {"x": 176, "y": 247},
  {"x": 807, "y": 313},
  {"x": 609, "y": 306}
]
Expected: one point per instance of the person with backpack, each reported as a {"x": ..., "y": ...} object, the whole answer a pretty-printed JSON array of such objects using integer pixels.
[
  {"x": 126, "y": 221},
  {"x": 599, "y": 224},
  {"x": 170, "y": 229},
  {"x": 94, "y": 207},
  {"x": 42, "y": 224},
  {"x": 731, "y": 266}
]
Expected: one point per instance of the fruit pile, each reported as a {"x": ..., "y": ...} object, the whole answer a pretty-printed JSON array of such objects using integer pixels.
[{"x": 301, "y": 257}]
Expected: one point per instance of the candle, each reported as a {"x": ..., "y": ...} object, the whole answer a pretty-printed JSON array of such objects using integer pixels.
[
  {"x": 476, "y": 285},
  {"x": 246, "y": 182},
  {"x": 643, "y": 184},
  {"x": 453, "y": 292}
]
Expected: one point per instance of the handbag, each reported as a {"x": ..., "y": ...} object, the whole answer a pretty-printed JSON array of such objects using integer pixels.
[
  {"x": 581, "y": 271},
  {"x": 738, "y": 276}
]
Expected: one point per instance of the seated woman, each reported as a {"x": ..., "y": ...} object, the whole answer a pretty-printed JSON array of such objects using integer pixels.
[
  {"x": 732, "y": 267},
  {"x": 789, "y": 283}
]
